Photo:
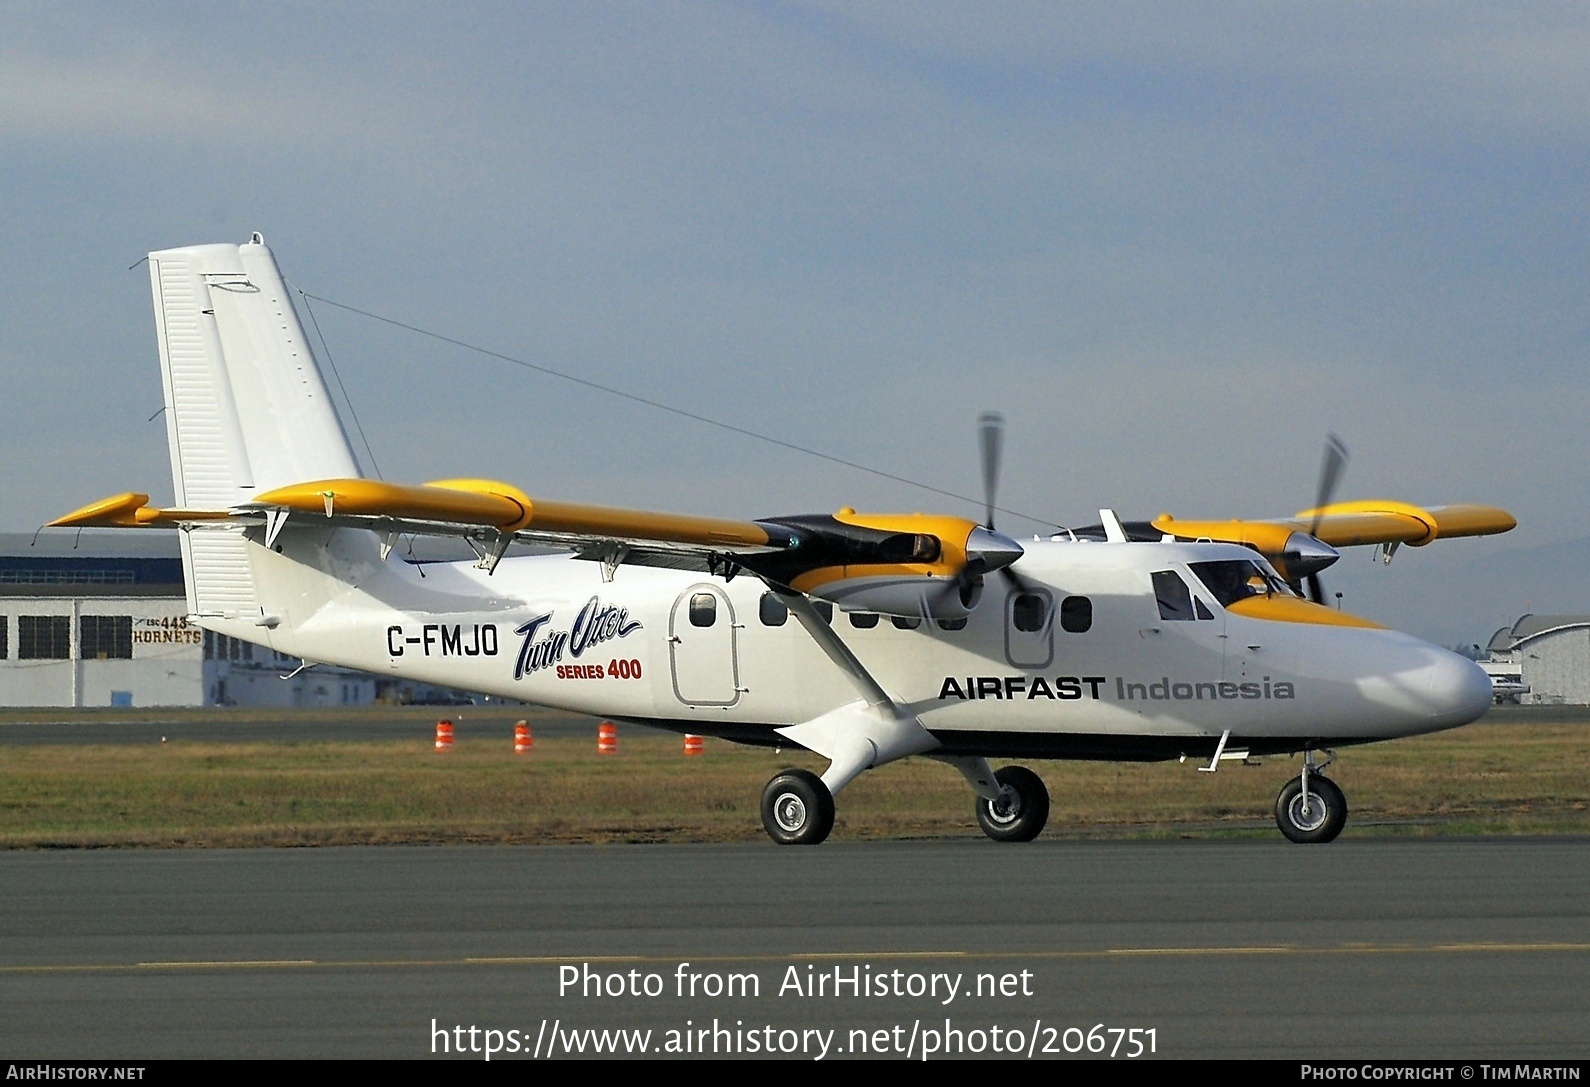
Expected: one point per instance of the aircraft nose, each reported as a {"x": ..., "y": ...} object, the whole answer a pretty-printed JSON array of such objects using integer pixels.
[{"x": 1459, "y": 689}]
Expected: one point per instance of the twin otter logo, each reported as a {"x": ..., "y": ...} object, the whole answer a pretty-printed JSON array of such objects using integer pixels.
[{"x": 543, "y": 647}]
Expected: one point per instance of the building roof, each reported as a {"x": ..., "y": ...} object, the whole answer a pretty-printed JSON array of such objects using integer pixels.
[
  {"x": 98, "y": 562},
  {"x": 109, "y": 562},
  {"x": 1533, "y": 626},
  {"x": 97, "y": 543}
]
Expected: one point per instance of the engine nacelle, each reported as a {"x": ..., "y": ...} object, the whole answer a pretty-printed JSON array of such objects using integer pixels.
[
  {"x": 908, "y": 565},
  {"x": 931, "y": 597}
]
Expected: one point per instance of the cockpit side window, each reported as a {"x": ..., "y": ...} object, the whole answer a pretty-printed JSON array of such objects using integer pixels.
[{"x": 1172, "y": 595}]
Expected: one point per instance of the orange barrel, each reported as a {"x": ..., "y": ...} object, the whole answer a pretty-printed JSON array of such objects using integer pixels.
[
  {"x": 607, "y": 738},
  {"x": 695, "y": 745},
  {"x": 522, "y": 740},
  {"x": 444, "y": 735}
]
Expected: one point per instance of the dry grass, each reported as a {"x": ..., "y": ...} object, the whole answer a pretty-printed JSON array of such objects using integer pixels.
[{"x": 1485, "y": 779}]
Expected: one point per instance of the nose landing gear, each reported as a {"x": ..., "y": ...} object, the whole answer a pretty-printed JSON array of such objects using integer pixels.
[
  {"x": 1021, "y": 810},
  {"x": 1310, "y": 808}
]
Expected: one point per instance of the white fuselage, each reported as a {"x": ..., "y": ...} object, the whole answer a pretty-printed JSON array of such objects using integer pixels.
[{"x": 549, "y": 630}]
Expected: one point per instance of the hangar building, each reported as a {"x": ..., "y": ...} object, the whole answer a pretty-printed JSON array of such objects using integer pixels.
[
  {"x": 1549, "y": 655},
  {"x": 100, "y": 619}
]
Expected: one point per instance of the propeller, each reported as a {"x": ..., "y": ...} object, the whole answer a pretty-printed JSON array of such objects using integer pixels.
[
  {"x": 991, "y": 442},
  {"x": 1330, "y": 474},
  {"x": 992, "y": 550}
]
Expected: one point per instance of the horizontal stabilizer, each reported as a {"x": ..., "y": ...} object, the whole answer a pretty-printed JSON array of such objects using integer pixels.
[{"x": 132, "y": 510}]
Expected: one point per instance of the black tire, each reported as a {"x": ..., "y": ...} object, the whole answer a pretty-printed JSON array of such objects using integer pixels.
[
  {"x": 1022, "y": 817},
  {"x": 1325, "y": 818},
  {"x": 797, "y": 808}
]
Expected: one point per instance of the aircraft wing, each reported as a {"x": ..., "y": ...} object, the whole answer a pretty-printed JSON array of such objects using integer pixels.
[
  {"x": 1292, "y": 544},
  {"x": 470, "y": 508},
  {"x": 1350, "y": 524},
  {"x": 807, "y": 552}
]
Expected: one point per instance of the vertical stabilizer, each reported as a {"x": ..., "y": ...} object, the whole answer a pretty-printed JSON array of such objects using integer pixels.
[{"x": 246, "y": 407}]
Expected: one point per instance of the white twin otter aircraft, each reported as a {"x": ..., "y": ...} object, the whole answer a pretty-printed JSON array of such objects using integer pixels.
[{"x": 951, "y": 640}]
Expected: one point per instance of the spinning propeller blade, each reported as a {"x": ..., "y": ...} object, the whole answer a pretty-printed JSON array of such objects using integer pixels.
[
  {"x": 991, "y": 444},
  {"x": 991, "y": 441},
  {"x": 1330, "y": 475}
]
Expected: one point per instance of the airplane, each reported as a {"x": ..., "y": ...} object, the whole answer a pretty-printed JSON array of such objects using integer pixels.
[{"x": 863, "y": 637}]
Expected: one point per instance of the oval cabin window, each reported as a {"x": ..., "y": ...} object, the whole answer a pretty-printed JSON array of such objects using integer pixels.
[{"x": 703, "y": 610}]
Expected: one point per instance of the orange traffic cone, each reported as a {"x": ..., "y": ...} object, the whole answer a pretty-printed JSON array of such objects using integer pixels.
[
  {"x": 444, "y": 735},
  {"x": 522, "y": 740},
  {"x": 695, "y": 745},
  {"x": 607, "y": 738}
]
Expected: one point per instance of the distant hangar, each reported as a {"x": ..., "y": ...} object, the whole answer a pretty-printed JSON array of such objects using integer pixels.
[
  {"x": 100, "y": 619},
  {"x": 1542, "y": 660}
]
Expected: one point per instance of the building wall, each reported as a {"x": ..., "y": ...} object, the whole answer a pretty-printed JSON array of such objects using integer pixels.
[
  {"x": 165, "y": 668},
  {"x": 1556, "y": 667},
  {"x": 173, "y": 661},
  {"x": 269, "y": 681}
]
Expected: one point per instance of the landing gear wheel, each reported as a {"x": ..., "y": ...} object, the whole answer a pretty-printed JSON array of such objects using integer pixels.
[
  {"x": 1319, "y": 819},
  {"x": 1020, "y": 814},
  {"x": 797, "y": 808}
]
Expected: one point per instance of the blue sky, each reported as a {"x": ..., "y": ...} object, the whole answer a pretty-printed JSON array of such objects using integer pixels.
[{"x": 1176, "y": 244}]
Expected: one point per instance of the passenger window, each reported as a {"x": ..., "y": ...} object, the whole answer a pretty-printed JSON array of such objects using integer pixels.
[
  {"x": 905, "y": 623},
  {"x": 953, "y": 624},
  {"x": 1029, "y": 612},
  {"x": 1076, "y": 614},
  {"x": 825, "y": 609},
  {"x": 703, "y": 609},
  {"x": 1172, "y": 596},
  {"x": 1202, "y": 608},
  {"x": 772, "y": 611},
  {"x": 865, "y": 620}
]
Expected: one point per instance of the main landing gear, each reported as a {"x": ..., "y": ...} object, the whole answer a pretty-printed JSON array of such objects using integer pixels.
[
  {"x": 1310, "y": 808},
  {"x": 1021, "y": 810},
  {"x": 797, "y": 808}
]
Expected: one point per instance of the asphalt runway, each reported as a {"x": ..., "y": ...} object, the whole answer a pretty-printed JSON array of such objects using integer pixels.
[{"x": 1437, "y": 948}]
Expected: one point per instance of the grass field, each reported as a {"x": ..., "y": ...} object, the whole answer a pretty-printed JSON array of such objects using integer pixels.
[{"x": 1519, "y": 777}]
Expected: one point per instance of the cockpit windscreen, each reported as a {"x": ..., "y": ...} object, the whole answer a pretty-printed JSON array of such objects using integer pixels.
[{"x": 1230, "y": 580}]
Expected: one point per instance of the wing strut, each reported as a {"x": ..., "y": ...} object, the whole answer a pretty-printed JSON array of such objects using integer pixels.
[
  {"x": 859, "y": 735},
  {"x": 838, "y": 652}
]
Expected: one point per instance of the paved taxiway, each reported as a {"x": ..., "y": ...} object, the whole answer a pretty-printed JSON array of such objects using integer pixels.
[{"x": 1413, "y": 948}]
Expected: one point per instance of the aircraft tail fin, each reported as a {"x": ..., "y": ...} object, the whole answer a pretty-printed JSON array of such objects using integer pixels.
[{"x": 246, "y": 407}]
